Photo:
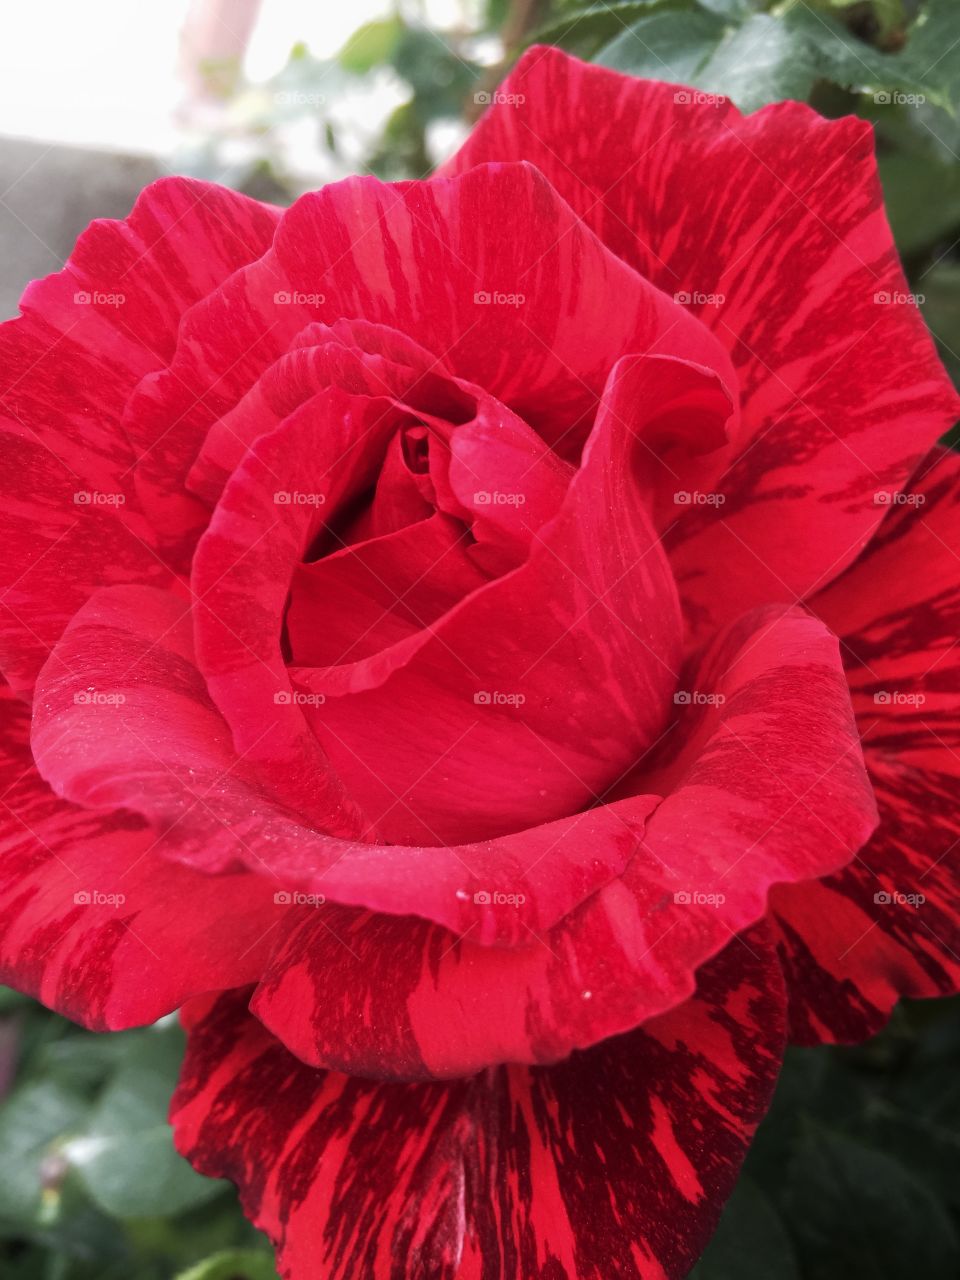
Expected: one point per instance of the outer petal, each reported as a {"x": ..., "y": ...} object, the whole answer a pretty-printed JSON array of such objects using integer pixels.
[
  {"x": 770, "y": 788},
  {"x": 610, "y": 1166},
  {"x": 95, "y": 923},
  {"x": 841, "y": 389},
  {"x": 127, "y": 659},
  {"x": 889, "y": 924},
  {"x": 69, "y": 518}
]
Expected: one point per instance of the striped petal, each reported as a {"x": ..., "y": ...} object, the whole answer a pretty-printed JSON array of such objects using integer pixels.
[
  {"x": 769, "y": 787},
  {"x": 889, "y": 924},
  {"x": 841, "y": 390},
  {"x": 94, "y": 922},
  {"x": 611, "y": 1166}
]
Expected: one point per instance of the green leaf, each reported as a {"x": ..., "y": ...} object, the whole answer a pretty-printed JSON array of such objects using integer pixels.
[
  {"x": 34, "y": 1120},
  {"x": 233, "y": 1264},
  {"x": 889, "y": 15},
  {"x": 584, "y": 30},
  {"x": 941, "y": 310},
  {"x": 126, "y": 1158},
  {"x": 751, "y": 1242},
  {"x": 665, "y": 46},
  {"x": 922, "y": 198},
  {"x": 858, "y": 1214},
  {"x": 768, "y": 58},
  {"x": 737, "y": 9},
  {"x": 371, "y": 45},
  {"x": 764, "y": 60}
]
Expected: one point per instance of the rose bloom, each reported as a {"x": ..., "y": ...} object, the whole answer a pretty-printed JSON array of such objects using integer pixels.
[{"x": 486, "y": 648}]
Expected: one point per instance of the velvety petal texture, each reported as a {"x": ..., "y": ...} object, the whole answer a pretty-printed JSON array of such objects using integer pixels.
[{"x": 612, "y": 1164}]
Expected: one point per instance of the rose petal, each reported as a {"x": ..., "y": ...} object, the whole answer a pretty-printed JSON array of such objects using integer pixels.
[
  {"x": 613, "y": 1164},
  {"x": 841, "y": 394},
  {"x": 527, "y": 315},
  {"x": 889, "y": 924},
  {"x": 769, "y": 787},
  {"x": 94, "y": 922},
  {"x": 474, "y": 702},
  {"x": 168, "y": 755},
  {"x": 70, "y": 517},
  {"x": 370, "y": 595}
]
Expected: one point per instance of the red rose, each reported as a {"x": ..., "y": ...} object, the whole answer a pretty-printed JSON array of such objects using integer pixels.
[{"x": 422, "y": 606}]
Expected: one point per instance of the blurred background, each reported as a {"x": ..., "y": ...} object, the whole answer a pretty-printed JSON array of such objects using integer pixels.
[{"x": 855, "y": 1172}]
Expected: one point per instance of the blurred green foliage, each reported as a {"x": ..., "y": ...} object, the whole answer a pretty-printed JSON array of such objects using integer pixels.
[
  {"x": 854, "y": 1172},
  {"x": 91, "y": 1187}
]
